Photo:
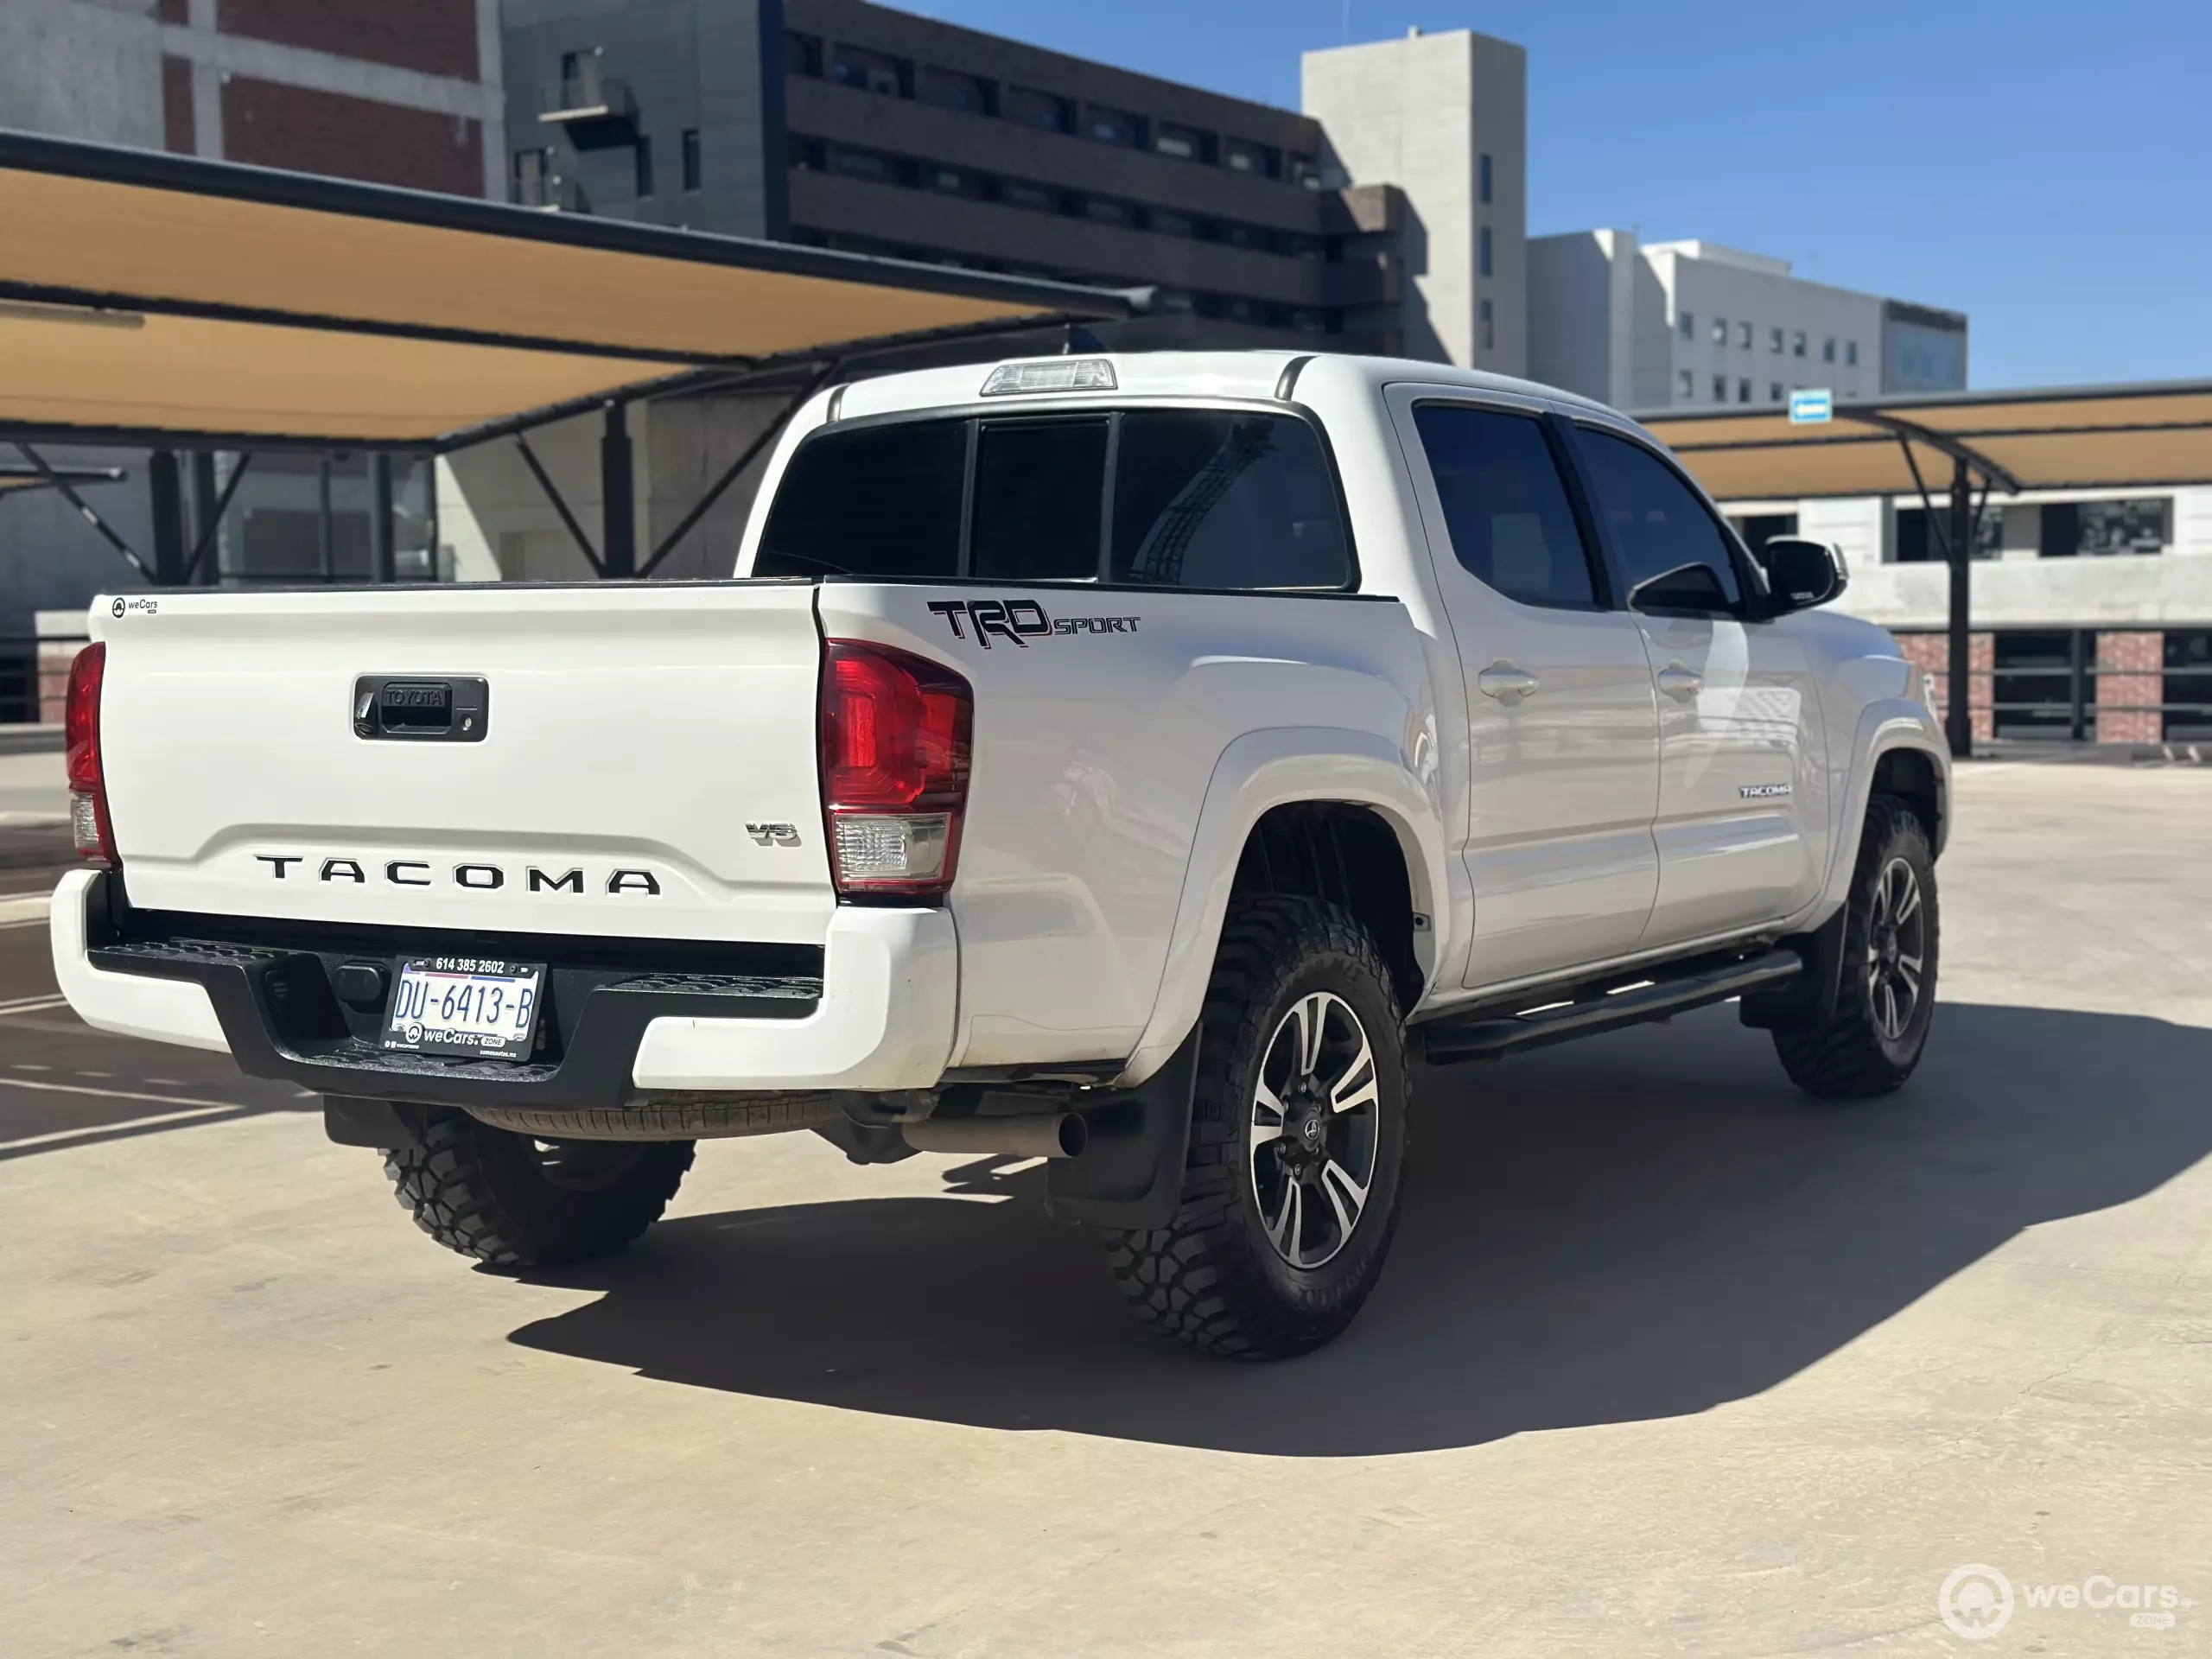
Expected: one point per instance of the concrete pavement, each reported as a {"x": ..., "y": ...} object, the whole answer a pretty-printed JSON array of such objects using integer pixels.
[{"x": 1667, "y": 1361}]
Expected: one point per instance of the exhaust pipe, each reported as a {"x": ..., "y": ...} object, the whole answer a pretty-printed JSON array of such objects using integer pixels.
[{"x": 1042, "y": 1134}]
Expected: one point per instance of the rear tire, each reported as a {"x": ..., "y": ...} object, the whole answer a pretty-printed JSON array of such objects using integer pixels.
[
  {"x": 512, "y": 1201},
  {"x": 1298, "y": 1139},
  {"x": 1887, "y": 995}
]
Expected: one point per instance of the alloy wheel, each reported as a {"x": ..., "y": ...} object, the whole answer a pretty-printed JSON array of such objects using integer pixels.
[
  {"x": 1314, "y": 1129},
  {"x": 1896, "y": 948}
]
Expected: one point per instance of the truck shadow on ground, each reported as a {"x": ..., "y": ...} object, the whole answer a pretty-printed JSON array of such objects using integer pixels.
[{"x": 1639, "y": 1226}]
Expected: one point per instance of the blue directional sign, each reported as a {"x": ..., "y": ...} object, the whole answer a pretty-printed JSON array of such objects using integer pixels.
[{"x": 1811, "y": 407}]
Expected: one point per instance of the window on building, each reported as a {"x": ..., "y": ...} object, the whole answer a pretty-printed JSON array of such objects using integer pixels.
[
  {"x": 1036, "y": 198},
  {"x": 863, "y": 164},
  {"x": 1744, "y": 335},
  {"x": 1917, "y": 544},
  {"x": 808, "y": 156},
  {"x": 1305, "y": 170},
  {"x": 1167, "y": 222},
  {"x": 871, "y": 71},
  {"x": 1302, "y": 247},
  {"x": 1721, "y": 331},
  {"x": 1851, "y": 352},
  {"x": 951, "y": 180},
  {"x": 948, "y": 89},
  {"x": 1758, "y": 529},
  {"x": 1482, "y": 179},
  {"x": 1483, "y": 251},
  {"x": 1719, "y": 388},
  {"x": 1797, "y": 344},
  {"x": 1688, "y": 326},
  {"x": 1112, "y": 126},
  {"x": 1827, "y": 349},
  {"x": 1486, "y": 320},
  {"x": 1184, "y": 143},
  {"x": 1249, "y": 157},
  {"x": 801, "y": 54},
  {"x": 1032, "y": 108},
  {"x": 1743, "y": 392},
  {"x": 1774, "y": 391},
  {"x": 1209, "y": 498},
  {"x": 1654, "y": 521},
  {"x": 1774, "y": 341},
  {"x": 1505, "y": 505},
  {"x": 692, "y": 172},
  {"x": 643, "y": 152},
  {"x": 2137, "y": 525},
  {"x": 1105, "y": 210},
  {"x": 1685, "y": 384}
]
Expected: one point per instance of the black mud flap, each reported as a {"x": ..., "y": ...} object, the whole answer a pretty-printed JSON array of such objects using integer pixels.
[
  {"x": 1130, "y": 1177},
  {"x": 1809, "y": 999},
  {"x": 350, "y": 1120}
]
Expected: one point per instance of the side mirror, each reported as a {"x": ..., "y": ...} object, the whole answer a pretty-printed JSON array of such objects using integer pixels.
[
  {"x": 1693, "y": 588},
  {"x": 1801, "y": 574}
]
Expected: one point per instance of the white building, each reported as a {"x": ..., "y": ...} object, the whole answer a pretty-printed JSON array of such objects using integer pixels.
[
  {"x": 1443, "y": 118},
  {"x": 1691, "y": 324}
]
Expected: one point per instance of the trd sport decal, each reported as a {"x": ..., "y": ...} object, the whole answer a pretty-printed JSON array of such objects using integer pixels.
[{"x": 1021, "y": 620}]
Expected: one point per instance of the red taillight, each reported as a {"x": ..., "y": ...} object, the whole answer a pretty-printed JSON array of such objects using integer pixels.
[
  {"x": 80, "y": 733},
  {"x": 896, "y": 733}
]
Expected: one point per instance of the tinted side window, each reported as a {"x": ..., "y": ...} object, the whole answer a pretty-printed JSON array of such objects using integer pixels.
[
  {"x": 1214, "y": 499},
  {"x": 1039, "y": 495},
  {"x": 1505, "y": 504},
  {"x": 1651, "y": 519},
  {"x": 880, "y": 501}
]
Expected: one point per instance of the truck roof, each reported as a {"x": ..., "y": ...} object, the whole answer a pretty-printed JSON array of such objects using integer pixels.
[{"x": 1177, "y": 374}]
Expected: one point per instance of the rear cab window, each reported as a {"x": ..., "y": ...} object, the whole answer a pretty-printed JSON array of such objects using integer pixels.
[{"x": 1214, "y": 499}]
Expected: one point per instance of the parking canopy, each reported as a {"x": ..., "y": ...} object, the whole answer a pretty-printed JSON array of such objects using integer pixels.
[
  {"x": 2073, "y": 437},
  {"x": 151, "y": 297}
]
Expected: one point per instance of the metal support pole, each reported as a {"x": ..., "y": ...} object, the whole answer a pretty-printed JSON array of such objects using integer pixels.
[
  {"x": 618, "y": 535},
  {"x": 2078, "y": 685},
  {"x": 384, "y": 559},
  {"x": 1959, "y": 722},
  {"x": 165, "y": 491},
  {"x": 205, "y": 516}
]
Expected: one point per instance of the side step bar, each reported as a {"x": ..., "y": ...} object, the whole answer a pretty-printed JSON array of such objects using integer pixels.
[{"x": 1629, "y": 998}]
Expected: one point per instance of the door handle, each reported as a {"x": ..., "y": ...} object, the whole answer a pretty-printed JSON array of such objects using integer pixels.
[
  {"x": 1679, "y": 682},
  {"x": 1506, "y": 681}
]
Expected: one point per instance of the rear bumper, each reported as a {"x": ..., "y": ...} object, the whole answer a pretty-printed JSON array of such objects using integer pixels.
[{"x": 879, "y": 1016}]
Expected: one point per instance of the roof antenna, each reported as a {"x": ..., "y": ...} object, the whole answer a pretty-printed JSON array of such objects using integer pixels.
[{"x": 1080, "y": 339}]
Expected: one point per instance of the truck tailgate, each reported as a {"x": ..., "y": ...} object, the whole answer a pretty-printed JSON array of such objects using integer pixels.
[{"x": 644, "y": 766}]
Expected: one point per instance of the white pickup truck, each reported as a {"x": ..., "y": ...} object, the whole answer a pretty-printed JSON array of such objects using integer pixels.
[{"x": 1130, "y": 761}]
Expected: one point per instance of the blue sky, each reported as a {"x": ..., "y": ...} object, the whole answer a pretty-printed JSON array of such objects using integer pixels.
[{"x": 2045, "y": 168}]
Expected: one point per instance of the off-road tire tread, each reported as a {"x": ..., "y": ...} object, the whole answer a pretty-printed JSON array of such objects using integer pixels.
[
  {"x": 445, "y": 1184},
  {"x": 1841, "y": 1060},
  {"x": 1185, "y": 1280}
]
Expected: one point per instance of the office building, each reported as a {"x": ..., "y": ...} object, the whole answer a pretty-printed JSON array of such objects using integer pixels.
[
  {"x": 1692, "y": 324},
  {"x": 850, "y": 125}
]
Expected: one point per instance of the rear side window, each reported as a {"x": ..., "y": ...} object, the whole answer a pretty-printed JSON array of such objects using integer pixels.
[
  {"x": 1653, "y": 521},
  {"x": 1213, "y": 498},
  {"x": 1505, "y": 505},
  {"x": 876, "y": 501},
  {"x": 1041, "y": 495}
]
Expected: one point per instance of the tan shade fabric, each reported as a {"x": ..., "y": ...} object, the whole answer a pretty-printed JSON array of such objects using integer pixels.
[
  {"x": 2073, "y": 438},
  {"x": 186, "y": 374},
  {"x": 234, "y": 298}
]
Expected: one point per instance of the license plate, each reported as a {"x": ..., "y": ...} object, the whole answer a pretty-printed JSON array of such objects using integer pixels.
[{"x": 465, "y": 1005}]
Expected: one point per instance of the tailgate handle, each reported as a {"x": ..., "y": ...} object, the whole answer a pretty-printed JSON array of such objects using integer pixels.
[{"x": 421, "y": 708}]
